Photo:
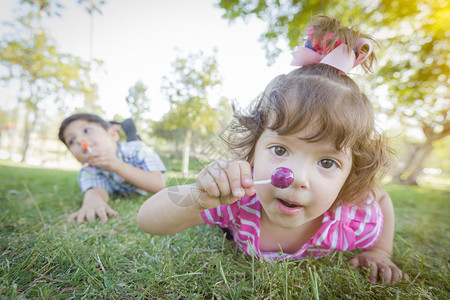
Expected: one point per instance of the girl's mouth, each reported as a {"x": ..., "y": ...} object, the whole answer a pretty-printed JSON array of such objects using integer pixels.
[{"x": 288, "y": 208}]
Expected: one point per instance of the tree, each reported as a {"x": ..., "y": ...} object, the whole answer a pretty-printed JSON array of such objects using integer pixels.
[
  {"x": 414, "y": 70},
  {"x": 187, "y": 89},
  {"x": 32, "y": 60},
  {"x": 417, "y": 83},
  {"x": 138, "y": 103},
  {"x": 52, "y": 7}
]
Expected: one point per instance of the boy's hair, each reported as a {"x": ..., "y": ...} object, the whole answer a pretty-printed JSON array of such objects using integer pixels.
[
  {"x": 81, "y": 116},
  {"x": 321, "y": 96}
]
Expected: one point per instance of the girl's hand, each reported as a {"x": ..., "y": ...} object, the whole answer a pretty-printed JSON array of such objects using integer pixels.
[
  {"x": 224, "y": 182},
  {"x": 380, "y": 265}
]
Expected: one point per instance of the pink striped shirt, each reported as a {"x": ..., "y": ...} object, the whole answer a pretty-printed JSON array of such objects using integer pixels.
[{"x": 345, "y": 228}]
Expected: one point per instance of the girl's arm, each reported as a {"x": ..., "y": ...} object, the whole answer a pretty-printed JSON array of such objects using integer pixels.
[
  {"x": 378, "y": 258},
  {"x": 179, "y": 207},
  {"x": 171, "y": 210}
]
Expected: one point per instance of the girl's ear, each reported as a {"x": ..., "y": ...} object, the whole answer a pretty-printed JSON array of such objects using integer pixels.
[{"x": 114, "y": 133}]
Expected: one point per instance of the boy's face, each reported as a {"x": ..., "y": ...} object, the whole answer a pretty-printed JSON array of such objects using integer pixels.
[
  {"x": 320, "y": 172},
  {"x": 98, "y": 138}
]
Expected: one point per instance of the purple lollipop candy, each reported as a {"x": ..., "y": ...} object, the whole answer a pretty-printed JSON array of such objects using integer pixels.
[{"x": 281, "y": 178}]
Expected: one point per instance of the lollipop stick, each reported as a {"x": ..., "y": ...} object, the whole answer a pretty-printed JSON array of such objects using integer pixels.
[
  {"x": 85, "y": 145},
  {"x": 262, "y": 182}
]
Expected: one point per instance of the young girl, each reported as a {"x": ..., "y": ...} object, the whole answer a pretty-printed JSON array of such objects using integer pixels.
[{"x": 316, "y": 122}]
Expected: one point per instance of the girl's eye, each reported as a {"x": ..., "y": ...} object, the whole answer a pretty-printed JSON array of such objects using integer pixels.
[
  {"x": 279, "y": 151},
  {"x": 87, "y": 130},
  {"x": 328, "y": 163},
  {"x": 71, "y": 142}
]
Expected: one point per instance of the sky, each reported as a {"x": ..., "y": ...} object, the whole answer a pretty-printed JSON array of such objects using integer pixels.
[{"x": 137, "y": 40}]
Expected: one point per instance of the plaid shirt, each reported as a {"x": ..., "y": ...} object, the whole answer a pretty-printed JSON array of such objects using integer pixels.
[{"x": 135, "y": 153}]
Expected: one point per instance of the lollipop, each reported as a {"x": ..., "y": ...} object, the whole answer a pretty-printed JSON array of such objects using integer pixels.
[
  {"x": 281, "y": 178},
  {"x": 85, "y": 145}
]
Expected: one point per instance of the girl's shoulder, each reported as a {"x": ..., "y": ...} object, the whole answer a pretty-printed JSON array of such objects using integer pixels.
[
  {"x": 348, "y": 227},
  {"x": 367, "y": 213}
]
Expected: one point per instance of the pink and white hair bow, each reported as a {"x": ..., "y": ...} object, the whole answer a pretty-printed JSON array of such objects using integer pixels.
[{"x": 340, "y": 57}]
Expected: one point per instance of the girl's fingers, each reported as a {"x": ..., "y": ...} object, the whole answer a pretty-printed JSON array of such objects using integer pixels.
[
  {"x": 373, "y": 270},
  {"x": 234, "y": 178},
  {"x": 405, "y": 276},
  {"x": 354, "y": 262},
  {"x": 219, "y": 171},
  {"x": 205, "y": 181},
  {"x": 246, "y": 178},
  {"x": 225, "y": 181},
  {"x": 386, "y": 274},
  {"x": 396, "y": 274}
]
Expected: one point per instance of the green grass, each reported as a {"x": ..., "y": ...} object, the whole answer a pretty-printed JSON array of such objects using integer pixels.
[{"x": 42, "y": 256}]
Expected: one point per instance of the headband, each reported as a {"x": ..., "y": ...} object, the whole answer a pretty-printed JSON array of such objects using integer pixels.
[{"x": 339, "y": 57}]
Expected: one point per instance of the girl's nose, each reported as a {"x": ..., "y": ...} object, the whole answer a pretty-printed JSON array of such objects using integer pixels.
[{"x": 301, "y": 177}]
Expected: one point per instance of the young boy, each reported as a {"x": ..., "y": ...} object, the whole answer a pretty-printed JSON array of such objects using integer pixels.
[{"x": 113, "y": 168}]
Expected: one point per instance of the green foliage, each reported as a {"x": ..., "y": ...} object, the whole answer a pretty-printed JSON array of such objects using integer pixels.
[
  {"x": 440, "y": 158},
  {"x": 33, "y": 62},
  {"x": 412, "y": 83},
  {"x": 42, "y": 256},
  {"x": 418, "y": 79},
  {"x": 173, "y": 162},
  {"x": 193, "y": 78},
  {"x": 53, "y": 7},
  {"x": 286, "y": 20},
  {"x": 187, "y": 90},
  {"x": 32, "y": 59},
  {"x": 138, "y": 103}
]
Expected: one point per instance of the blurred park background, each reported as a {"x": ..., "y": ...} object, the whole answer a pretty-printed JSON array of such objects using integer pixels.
[{"x": 178, "y": 81}]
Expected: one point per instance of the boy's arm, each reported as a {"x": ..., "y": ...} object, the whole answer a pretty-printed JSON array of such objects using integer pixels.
[
  {"x": 378, "y": 258},
  {"x": 149, "y": 181},
  {"x": 146, "y": 180},
  {"x": 95, "y": 203}
]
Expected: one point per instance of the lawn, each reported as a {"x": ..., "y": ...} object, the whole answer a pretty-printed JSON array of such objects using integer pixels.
[{"x": 42, "y": 256}]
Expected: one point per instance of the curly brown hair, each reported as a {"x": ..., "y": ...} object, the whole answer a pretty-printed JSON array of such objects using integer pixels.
[{"x": 341, "y": 114}]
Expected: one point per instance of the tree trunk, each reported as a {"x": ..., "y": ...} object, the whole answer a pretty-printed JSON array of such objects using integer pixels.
[
  {"x": 405, "y": 164},
  {"x": 414, "y": 162},
  {"x": 27, "y": 133},
  {"x": 417, "y": 167},
  {"x": 186, "y": 152}
]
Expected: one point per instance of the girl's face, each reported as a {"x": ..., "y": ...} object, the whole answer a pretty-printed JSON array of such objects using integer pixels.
[
  {"x": 97, "y": 137},
  {"x": 319, "y": 169}
]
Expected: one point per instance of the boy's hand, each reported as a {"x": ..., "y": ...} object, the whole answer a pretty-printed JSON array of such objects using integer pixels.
[
  {"x": 104, "y": 159},
  {"x": 90, "y": 210},
  {"x": 224, "y": 182},
  {"x": 380, "y": 265}
]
